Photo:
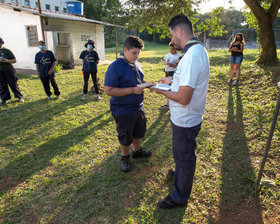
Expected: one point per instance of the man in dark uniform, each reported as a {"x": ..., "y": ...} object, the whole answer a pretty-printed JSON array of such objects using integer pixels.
[{"x": 8, "y": 75}]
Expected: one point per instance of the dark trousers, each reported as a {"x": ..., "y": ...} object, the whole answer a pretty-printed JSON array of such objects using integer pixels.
[
  {"x": 9, "y": 78},
  {"x": 94, "y": 80},
  {"x": 46, "y": 83},
  {"x": 183, "y": 145}
]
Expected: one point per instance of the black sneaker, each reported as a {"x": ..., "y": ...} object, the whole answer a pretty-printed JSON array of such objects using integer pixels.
[
  {"x": 3, "y": 103},
  {"x": 168, "y": 203},
  {"x": 141, "y": 153},
  {"x": 125, "y": 164},
  {"x": 171, "y": 173}
]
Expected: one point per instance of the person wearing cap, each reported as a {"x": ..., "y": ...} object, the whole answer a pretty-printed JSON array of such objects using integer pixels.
[
  {"x": 90, "y": 60},
  {"x": 45, "y": 63},
  {"x": 8, "y": 75}
]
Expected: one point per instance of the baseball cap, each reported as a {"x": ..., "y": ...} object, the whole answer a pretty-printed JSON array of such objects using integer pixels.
[{"x": 1, "y": 41}]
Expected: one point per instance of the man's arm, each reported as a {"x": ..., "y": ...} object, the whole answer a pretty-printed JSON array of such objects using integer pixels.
[
  {"x": 183, "y": 96},
  {"x": 112, "y": 91}
]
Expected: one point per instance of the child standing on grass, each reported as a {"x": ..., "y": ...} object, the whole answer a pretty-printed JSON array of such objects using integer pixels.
[
  {"x": 8, "y": 75},
  {"x": 90, "y": 60},
  {"x": 236, "y": 48},
  {"x": 170, "y": 60},
  {"x": 121, "y": 80},
  {"x": 45, "y": 62}
]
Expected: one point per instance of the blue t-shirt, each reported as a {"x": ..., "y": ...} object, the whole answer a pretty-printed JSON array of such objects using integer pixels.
[
  {"x": 90, "y": 58},
  {"x": 121, "y": 75},
  {"x": 45, "y": 61}
]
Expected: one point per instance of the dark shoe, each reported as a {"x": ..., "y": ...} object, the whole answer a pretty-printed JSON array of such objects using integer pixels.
[
  {"x": 125, "y": 164},
  {"x": 168, "y": 203},
  {"x": 3, "y": 103},
  {"x": 141, "y": 153},
  {"x": 171, "y": 173}
]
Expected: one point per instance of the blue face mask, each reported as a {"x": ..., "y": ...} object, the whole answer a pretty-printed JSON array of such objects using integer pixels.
[
  {"x": 41, "y": 47},
  {"x": 90, "y": 47}
]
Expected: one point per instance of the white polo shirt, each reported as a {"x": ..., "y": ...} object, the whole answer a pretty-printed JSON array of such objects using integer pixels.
[{"x": 192, "y": 71}]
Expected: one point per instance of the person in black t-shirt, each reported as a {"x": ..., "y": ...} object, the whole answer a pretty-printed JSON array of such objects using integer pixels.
[
  {"x": 8, "y": 75},
  {"x": 236, "y": 48},
  {"x": 45, "y": 63},
  {"x": 90, "y": 60}
]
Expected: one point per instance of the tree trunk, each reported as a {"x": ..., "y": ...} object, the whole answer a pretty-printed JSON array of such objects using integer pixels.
[
  {"x": 268, "y": 54},
  {"x": 265, "y": 19}
]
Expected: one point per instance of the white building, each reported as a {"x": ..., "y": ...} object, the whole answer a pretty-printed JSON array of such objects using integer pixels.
[
  {"x": 65, "y": 34},
  {"x": 51, "y": 5}
]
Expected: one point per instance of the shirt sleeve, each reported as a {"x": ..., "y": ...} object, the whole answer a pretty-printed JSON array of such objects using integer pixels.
[
  {"x": 111, "y": 76},
  {"x": 52, "y": 56},
  {"x": 96, "y": 56},
  {"x": 82, "y": 55},
  {"x": 37, "y": 60},
  {"x": 11, "y": 55}
]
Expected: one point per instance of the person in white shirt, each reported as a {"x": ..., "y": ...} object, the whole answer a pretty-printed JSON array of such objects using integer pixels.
[
  {"x": 170, "y": 60},
  {"x": 187, "y": 100}
]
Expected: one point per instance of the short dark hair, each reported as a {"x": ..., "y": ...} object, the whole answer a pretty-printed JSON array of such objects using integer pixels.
[
  {"x": 183, "y": 21},
  {"x": 41, "y": 42},
  {"x": 133, "y": 42}
]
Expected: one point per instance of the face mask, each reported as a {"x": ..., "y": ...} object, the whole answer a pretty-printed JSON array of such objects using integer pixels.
[
  {"x": 238, "y": 39},
  {"x": 90, "y": 47},
  {"x": 41, "y": 47}
]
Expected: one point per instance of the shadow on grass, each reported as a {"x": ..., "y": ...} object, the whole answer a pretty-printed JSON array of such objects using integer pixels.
[
  {"x": 110, "y": 196},
  {"x": 238, "y": 199},
  {"x": 25, "y": 165}
]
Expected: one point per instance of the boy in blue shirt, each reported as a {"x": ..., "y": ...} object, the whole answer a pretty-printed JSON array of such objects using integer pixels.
[
  {"x": 45, "y": 62},
  {"x": 121, "y": 80},
  {"x": 90, "y": 60}
]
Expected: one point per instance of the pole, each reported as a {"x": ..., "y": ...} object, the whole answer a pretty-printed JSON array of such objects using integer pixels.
[
  {"x": 116, "y": 40},
  {"x": 41, "y": 19},
  {"x": 276, "y": 112}
]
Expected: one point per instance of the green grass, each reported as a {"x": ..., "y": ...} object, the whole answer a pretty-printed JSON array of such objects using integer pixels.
[{"x": 59, "y": 159}]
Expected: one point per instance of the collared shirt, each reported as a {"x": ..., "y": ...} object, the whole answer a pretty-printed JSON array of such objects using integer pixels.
[
  {"x": 192, "y": 71},
  {"x": 121, "y": 75}
]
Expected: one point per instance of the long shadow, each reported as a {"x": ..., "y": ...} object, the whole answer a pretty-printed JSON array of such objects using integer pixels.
[
  {"x": 151, "y": 60},
  {"x": 15, "y": 172},
  {"x": 239, "y": 203},
  {"x": 110, "y": 196}
]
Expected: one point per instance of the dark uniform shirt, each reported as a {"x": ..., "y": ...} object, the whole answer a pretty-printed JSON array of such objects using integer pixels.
[{"x": 7, "y": 54}]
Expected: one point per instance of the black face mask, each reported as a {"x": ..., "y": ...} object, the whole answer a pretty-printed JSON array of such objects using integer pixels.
[{"x": 238, "y": 39}]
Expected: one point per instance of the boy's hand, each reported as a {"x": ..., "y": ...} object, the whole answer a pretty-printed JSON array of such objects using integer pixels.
[
  {"x": 50, "y": 72},
  {"x": 38, "y": 75},
  {"x": 166, "y": 80},
  {"x": 137, "y": 90}
]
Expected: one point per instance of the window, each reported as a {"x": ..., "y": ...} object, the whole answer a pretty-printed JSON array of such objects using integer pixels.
[
  {"x": 64, "y": 10},
  {"x": 26, "y": 3},
  {"x": 56, "y": 8},
  {"x": 32, "y": 35},
  {"x": 48, "y": 7},
  {"x": 36, "y": 4}
]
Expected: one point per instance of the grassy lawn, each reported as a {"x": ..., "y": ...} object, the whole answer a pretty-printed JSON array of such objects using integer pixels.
[{"x": 59, "y": 159}]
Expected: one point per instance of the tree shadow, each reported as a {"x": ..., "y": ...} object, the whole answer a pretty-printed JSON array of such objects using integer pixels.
[
  {"x": 151, "y": 60},
  {"x": 15, "y": 173},
  {"x": 239, "y": 203}
]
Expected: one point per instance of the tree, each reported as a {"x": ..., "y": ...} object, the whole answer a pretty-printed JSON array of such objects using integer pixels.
[{"x": 265, "y": 12}]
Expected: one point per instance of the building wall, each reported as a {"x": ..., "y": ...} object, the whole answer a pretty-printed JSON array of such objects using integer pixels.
[
  {"x": 33, "y": 4},
  {"x": 15, "y": 36},
  {"x": 80, "y": 33}
]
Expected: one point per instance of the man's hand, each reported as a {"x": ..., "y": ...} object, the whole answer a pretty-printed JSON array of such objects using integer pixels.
[
  {"x": 166, "y": 80},
  {"x": 50, "y": 71},
  {"x": 38, "y": 75}
]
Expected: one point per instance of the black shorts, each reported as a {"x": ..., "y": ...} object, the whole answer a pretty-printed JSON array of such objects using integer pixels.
[
  {"x": 131, "y": 126},
  {"x": 168, "y": 74}
]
